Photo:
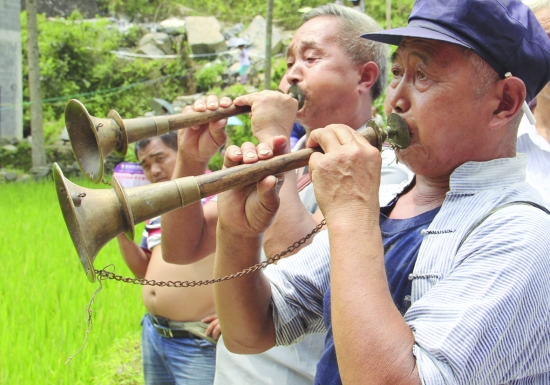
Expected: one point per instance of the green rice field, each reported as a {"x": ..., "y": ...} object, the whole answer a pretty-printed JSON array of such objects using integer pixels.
[{"x": 43, "y": 294}]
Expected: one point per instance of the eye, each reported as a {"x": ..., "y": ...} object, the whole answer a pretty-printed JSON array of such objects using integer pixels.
[
  {"x": 420, "y": 75},
  {"x": 396, "y": 71},
  {"x": 289, "y": 65}
]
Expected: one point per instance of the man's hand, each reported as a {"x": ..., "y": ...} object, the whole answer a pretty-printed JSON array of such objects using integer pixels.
[
  {"x": 199, "y": 143},
  {"x": 273, "y": 113},
  {"x": 248, "y": 211},
  {"x": 213, "y": 329},
  {"x": 346, "y": 177}
]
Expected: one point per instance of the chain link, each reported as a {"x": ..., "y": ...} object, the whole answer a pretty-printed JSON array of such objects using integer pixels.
[{"x": 103, "y": 274}]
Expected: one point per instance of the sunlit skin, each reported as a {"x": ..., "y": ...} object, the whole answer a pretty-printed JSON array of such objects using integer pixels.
[
  {"x": 325, "y": 73},
  {"x": 428, "y": 78},
  {"x": 179, "y": 304},
  {"x": 157, "y": 161}
]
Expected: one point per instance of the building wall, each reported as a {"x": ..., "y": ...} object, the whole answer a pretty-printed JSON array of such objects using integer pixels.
[{"x": 11, "y": 110}]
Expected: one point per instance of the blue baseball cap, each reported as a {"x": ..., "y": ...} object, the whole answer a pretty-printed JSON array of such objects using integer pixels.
[{"x": 505, "y": 33}]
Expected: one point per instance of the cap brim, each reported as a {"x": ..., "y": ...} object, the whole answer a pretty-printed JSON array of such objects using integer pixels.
[{"x": 394, "y": 36}]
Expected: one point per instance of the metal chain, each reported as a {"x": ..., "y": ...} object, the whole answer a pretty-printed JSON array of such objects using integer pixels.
[{"x": 103, "y": 274}]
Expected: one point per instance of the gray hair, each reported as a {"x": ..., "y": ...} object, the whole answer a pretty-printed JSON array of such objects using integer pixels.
[
  {"x": 352, "y": 25},
  {"x": 485, "y": 76},
  {"x": 535, "y": 5}
]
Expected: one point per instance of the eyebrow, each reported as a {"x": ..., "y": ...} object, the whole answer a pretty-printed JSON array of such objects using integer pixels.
[
  {"x": 303, "y": 44},
  {"x": 422, "y": 56},
  {"x": 159, "y": 152}
]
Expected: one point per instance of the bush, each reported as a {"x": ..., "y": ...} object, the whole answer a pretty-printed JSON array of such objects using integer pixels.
[{"x": 208, "y": 76}]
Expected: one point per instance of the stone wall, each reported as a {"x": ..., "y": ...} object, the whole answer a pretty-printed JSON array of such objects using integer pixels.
[{"x": 11, "y": 110}]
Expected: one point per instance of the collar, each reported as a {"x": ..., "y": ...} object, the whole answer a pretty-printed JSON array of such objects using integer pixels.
[
  {"x": 528, "y": 130},
  {"x": 472, "y": 177},
  {"x": 493, "y": 174}
]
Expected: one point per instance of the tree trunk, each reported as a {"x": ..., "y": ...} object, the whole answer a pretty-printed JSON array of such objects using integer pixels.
[
  {"x": 388, "y": 14},
  {"x": 268, "y": 33},
  {"x": 37, "y": 130}
]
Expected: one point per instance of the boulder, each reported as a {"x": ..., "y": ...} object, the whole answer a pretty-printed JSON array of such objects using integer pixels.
[
  {"x": 10, "y": 176},
  {"x": 172, "y": 26},
  {"x": 204, "y": 35},
  {"x": 255, "y": 33},
  {"x": 9, "y": 147},
  {"x": 160, "y": 40},
  {"x": 40, "y": 172},
  {"x": 185, "y": 100}
]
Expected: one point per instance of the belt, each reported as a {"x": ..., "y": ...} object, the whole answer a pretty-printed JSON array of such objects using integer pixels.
[{"x": 169, "y": 329}]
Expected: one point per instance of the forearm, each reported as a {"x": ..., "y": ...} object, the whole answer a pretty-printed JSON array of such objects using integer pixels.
[
  {"x": 242, "y": 304},
  {"x": 292, "y": 221},
  {"x": 186, "y": 234},
  {"x": 373, "y": 342},
  {"x": 133, "y": 255}
]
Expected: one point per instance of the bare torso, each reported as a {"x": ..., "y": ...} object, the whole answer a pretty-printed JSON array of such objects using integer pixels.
[{"x": 179, "y": 304}]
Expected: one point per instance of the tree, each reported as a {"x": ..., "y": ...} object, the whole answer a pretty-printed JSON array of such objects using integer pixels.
[{"x": 37, "y": 130}]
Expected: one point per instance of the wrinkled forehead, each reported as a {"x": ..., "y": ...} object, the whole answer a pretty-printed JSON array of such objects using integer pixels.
[
  {"x": 428, "y": 51},
  {"x": 316, "y": 33}
]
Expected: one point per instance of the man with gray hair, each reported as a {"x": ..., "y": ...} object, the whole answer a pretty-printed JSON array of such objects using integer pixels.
[
  {"x": 534, "y": 140},
  {"x": 340, "y": 75}
]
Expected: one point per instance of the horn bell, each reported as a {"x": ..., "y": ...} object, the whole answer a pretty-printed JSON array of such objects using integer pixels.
[
  {"x": 93, "y": 217},
  {"x": 92, "y": 139}
]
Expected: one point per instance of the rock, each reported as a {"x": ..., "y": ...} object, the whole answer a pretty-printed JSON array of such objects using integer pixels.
[
  {"x": 204, "y": 35},
  {"x": 255, "y": 33},
  {"x": 151, "y": 50},
  {"x": 9, "y": 147},
  {"x": 232, "y": 32},
  {"x": 185, "y": 100},
  {"x": 10, "y": 176},
  {"x": 24, "y": 178},
  {"x": 160, "y": 40},
  {"x": 173, "y": 26},
  {"x": 40, "y": 172}
]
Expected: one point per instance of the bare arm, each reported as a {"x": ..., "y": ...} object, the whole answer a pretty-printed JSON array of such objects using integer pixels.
[
  {"x": 373, "y": 343},
  {"x": 189, "y": 233},
  {"x": 243, "y": 304},
  {"x": 273, "y": 115},
  {"x": 133, "y": 255}
]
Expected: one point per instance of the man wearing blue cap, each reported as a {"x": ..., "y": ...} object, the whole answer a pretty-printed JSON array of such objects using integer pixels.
[{"x": 444, "y": 281}]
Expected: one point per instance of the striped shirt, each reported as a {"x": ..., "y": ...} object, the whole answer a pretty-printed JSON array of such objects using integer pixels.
[
  {"x": 480, "y": 314},
  {"x": 538, "y": 158}
]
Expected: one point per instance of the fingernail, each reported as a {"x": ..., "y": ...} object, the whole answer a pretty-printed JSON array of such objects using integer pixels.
[
  {"x": 212, "y": 104},
  {"x": 237, "y": 152},
  {"x": 250, "y": 154},
  {"x": 264, "y": 151}
]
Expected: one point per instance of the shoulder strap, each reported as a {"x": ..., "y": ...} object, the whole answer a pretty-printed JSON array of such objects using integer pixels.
[{"x": 480, "y": 221}]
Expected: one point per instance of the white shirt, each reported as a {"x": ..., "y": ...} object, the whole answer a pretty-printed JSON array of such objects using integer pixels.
[
  {"x": 480, "y": 314},
  {"x": 538, "y": 158}
]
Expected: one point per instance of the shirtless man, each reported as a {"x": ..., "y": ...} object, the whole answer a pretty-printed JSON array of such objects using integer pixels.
[{"x": 180, "y": 328}]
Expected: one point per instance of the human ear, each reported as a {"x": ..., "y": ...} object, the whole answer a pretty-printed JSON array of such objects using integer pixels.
[
  {"x": 368, "y": 73},
  {"x": 511, "y": 94}
]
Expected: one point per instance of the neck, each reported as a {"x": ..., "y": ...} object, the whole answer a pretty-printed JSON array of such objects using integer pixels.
[
  {"x": 542, "y": 115},
  {"x": 426, "y": 194}
]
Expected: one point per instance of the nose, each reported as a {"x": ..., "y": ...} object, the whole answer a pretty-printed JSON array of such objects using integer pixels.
[
  {"x": 397, "y": 96},
  {"x": 295, "y": 73},
  {"x": 156, "y": 170}
]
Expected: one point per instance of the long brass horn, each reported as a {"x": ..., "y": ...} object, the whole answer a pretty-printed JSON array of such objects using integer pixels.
[
  {"x": 92, "y": 138},
  {"x": 95, "y": 216}
]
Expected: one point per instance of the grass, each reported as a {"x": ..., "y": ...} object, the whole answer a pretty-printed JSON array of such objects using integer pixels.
[{"x": 43, "y": 293}]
